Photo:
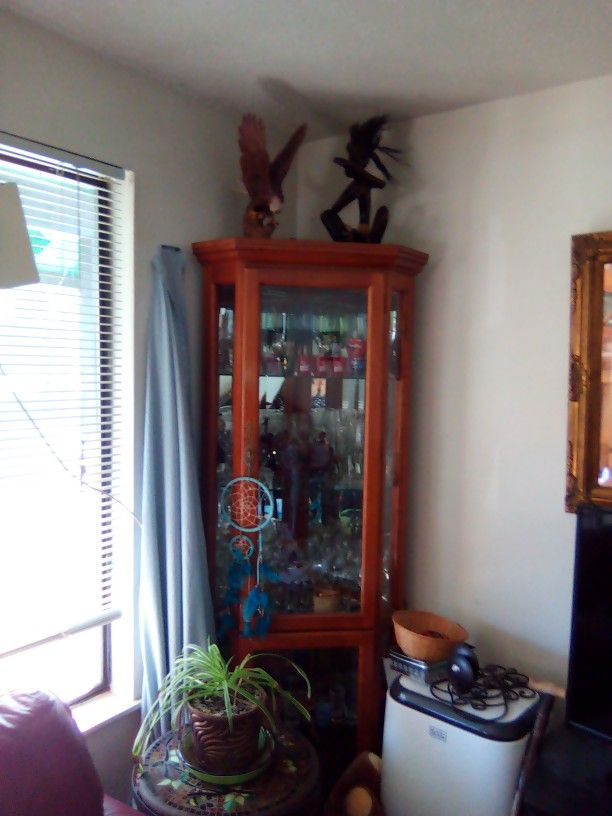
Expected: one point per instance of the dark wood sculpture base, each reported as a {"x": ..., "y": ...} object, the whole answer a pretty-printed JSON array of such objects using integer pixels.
[{"x": 339, "y": 231}]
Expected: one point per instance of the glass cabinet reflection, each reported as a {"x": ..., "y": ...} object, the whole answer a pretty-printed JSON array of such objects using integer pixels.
[
  {"x": 605, "y": 442},
  {"x": 589, "y": 451}
]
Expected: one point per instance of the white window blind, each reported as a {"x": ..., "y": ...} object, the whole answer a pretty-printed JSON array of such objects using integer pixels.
[{"x": 62, "y": 478}]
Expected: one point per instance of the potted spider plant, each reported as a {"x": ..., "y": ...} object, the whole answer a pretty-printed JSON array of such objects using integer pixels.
[{"x": 226, "y": 706}]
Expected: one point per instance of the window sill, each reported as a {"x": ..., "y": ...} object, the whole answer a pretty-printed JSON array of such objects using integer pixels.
[{"x": 102, "y": 710}]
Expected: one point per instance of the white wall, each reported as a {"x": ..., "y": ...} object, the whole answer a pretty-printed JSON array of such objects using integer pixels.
[
  {"x": 184, "y": 156},
  {"x": 187, "y": 187},
  {"x": 493, "y": 192},
  {"x": 110, "y": 746}
]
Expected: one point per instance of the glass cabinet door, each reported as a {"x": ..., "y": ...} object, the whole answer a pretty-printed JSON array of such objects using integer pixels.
[
  {"x": 313, "y": 351},
  {"x": 390, "y": 464},
  {"x": 225, "y": 296},
  {"x": 604, "y": 470},
  {"x": 333, "y": 704}
]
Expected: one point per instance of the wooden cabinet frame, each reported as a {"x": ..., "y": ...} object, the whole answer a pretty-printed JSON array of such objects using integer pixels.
[{"x": 379, "y": 270}]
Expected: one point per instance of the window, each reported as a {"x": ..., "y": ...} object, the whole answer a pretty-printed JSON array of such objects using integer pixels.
[{"x": 65, "y": 477}]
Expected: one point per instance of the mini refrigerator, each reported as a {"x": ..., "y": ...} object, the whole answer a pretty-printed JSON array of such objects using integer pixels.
[{"x": 439, "y": 759}]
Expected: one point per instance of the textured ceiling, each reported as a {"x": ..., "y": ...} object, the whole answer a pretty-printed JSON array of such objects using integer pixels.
[{"x": 332, "y": 62}]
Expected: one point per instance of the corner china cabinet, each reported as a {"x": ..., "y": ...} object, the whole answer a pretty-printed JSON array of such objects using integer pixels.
[{"x": 307, "y": 357}]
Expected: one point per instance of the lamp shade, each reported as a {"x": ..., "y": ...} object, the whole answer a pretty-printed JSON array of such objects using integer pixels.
[{"x": 17, "y": 266}]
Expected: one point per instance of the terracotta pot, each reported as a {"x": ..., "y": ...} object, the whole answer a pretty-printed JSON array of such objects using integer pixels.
[{"x": 219, "y": 750}]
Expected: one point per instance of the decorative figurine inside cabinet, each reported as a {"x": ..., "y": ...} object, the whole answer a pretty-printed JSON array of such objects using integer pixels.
[{"x": 306, "y": 390}]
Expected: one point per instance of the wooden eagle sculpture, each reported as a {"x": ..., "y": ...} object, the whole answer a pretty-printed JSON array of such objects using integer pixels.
[{"x": 263, "y": 178}]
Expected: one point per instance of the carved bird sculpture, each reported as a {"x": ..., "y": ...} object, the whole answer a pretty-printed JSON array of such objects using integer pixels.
[
  {"x": 363, "y": 146},
  {"x": 263, "y": 178}
]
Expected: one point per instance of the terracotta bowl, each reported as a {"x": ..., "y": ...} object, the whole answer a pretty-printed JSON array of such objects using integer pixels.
[{"x": 425, "y": 636}]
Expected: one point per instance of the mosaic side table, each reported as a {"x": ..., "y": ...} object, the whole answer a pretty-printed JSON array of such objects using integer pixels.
[{"x": 163, "y": 785}]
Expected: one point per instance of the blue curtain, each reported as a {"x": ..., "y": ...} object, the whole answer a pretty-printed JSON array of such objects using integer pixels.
[{"x": 174, "y": 599}]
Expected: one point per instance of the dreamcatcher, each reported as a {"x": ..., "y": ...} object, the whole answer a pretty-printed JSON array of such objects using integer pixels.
[{"x": 246, "y": 505}]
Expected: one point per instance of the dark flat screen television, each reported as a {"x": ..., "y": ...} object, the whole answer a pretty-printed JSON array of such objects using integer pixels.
[{"x": 589, "y": 687}]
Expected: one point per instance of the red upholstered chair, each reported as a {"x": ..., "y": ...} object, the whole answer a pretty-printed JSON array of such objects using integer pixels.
[{"x": 45, "y": 768}]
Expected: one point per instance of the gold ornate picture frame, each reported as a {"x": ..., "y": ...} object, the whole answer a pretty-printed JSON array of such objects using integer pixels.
[{"x": 589, "y": 448}]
